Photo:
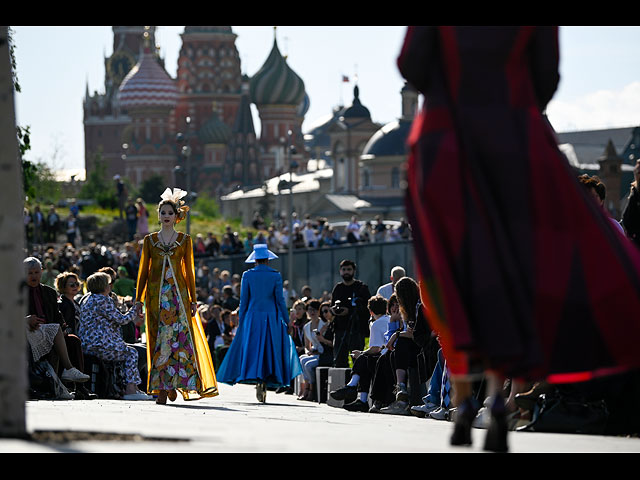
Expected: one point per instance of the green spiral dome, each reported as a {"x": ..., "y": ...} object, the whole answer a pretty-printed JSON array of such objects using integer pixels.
[{"x": 276, "y": 83}]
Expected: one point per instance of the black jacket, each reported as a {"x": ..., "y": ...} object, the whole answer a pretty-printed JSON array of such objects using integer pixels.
[
  {"x": 50, "y": 305},
  {"x": 631, "y": 216},
  {"x": 357, "y": 293}
]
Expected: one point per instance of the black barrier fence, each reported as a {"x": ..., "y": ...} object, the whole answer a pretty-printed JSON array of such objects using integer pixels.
[{"x": 319, "y": 267}]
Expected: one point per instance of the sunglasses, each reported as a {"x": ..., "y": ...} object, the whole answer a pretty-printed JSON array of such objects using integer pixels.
[
  {"x": 325, "y": 310},
  {"x": 73, "y": 284}
]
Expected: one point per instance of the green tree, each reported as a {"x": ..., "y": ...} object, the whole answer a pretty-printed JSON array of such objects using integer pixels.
[
  {"x": 206, "y": 206},
  {"x": 98, "y": 187},
  {"x": 152, "y": 188},
  {"x": 42, "y": 183}
]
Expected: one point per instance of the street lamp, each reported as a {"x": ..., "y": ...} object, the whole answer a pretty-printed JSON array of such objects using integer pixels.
[
  {"x": 293, "y": 165},
  {"x": 185, "y": 151}
]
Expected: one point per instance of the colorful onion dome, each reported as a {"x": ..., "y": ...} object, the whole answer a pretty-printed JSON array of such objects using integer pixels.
[
  {"x": 214, "y": 130},
  {"x": 276, "y": 83},
  {"x": 147, "y": 85}
]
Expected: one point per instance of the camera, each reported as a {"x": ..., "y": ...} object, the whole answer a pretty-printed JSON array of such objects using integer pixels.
[{"x": 339, "y": 309}]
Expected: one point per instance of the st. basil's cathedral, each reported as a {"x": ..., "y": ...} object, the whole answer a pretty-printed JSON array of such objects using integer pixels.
[{"x": 133, "y": 125}]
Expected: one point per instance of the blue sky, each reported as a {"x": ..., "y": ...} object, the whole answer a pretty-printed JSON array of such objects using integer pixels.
[{"x": 599, "y": 88}]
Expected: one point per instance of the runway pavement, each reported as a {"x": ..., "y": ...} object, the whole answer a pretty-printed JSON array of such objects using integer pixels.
[{"x": 235, "y": 422}]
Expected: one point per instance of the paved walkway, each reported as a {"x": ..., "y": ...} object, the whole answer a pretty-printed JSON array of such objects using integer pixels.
[{"x": 235, "y": 422}]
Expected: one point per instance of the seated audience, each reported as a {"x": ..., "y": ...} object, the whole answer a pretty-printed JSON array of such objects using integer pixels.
[
  {"x": 101, "y": 335},
  {"x": 45, "y": 324},
  {"x": 313, "y": 348},
  {"x": 364, "y": 362}
]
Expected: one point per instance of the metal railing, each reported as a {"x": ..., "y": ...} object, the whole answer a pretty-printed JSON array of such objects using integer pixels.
[{"x": 319, "y": 267}]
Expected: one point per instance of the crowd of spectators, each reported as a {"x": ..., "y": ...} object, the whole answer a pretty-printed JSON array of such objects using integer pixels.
[
  {"x": 307, "y": 233},
  {"x": 383, "y": 337}
]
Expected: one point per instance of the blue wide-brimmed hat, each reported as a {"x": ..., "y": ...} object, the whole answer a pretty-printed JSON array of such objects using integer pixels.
[{"x": 260, "y": 251}]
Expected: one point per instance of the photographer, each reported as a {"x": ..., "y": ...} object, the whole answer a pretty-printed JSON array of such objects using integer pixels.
[{"x": 351, "y": 315}]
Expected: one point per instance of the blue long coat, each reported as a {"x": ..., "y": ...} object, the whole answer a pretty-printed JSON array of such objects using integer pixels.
[{"x": 262, "y": 349}]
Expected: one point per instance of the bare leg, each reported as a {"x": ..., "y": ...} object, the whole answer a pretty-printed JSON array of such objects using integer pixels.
[
  {"x": 61, "y": 349},
  {"x": 461, "y": 391}
]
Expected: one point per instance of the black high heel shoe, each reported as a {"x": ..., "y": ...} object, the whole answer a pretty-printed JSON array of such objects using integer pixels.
[
  {"x": 496, "y": 439},
  {"x": 466, "y": 412}
]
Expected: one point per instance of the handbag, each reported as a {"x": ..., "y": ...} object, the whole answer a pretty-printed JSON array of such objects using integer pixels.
[
  {"x": 562, "y": 414},
  {"x": 41, "y": 383}
]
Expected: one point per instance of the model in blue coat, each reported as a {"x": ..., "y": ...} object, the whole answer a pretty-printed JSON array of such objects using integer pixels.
[{"x": 262, "y": 351}]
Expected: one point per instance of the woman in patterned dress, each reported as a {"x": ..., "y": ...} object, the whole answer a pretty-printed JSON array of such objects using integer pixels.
[
  {"x": 101, "y": 333},
  {"x": 178, "y": 355}
]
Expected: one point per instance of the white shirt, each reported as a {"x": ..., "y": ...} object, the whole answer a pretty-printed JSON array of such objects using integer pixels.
[
  {"x": 377, "y": 331},
  {"x": 354, "y": 227},
  {"x": 312, "y": 337},
  {"x": 386, "y": 290}
]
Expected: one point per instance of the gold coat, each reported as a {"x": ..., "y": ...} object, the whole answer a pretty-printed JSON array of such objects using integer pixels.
[{"x": 155, "y": 258}]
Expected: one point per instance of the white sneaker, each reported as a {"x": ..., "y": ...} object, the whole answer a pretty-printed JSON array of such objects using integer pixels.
[
  {"x": 66, "y": 395},
  {"x": 423, "y": 411},
  {"x": 397, "y": 408},
  {"x": 440, "y": 414},
  {"x": 74, "y": 375},
  {"x": 137, "y": 396}
]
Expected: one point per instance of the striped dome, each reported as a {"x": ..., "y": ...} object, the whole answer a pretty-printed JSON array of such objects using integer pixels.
[
  {"x": 276, "y": 83},
  {"x": 147, "y": 85},
  {"x": 214, "y": 130}
]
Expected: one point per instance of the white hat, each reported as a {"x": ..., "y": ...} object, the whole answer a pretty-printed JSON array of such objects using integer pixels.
[{"x": 260, "y": 251}]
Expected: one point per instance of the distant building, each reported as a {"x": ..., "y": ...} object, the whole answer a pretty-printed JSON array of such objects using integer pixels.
[
  {"x": 133, "y": 125},
  {"x": 610, "y": 154},
  {"x": 345, "y": 164}
]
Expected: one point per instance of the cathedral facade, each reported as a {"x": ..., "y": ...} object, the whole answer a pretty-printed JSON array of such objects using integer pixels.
[{"x": 196, "y": 130}]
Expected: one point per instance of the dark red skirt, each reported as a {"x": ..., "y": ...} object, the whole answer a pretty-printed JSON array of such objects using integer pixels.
[{"x": 519, "y": 267}]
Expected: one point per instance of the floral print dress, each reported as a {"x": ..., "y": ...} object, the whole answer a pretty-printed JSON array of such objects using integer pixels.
[
  {"x": 178, "y": 355},
  {"x": 172, "y": 367}
]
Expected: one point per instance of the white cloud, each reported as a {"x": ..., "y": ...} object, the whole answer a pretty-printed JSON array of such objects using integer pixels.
[{"x": 597, "y": 110}]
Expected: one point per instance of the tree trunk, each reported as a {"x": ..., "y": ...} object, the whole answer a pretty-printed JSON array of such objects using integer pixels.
[{"x": 13, "y": 363}]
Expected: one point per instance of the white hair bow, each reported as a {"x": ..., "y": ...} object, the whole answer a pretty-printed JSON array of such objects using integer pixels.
[{"x": 174, "y": 196}]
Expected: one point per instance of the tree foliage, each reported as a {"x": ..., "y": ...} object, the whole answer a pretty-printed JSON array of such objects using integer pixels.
[
  {"x": 206, "y": 205},
  {"x": 152, "y": 188},
  {"x": 98, "y": 187}
]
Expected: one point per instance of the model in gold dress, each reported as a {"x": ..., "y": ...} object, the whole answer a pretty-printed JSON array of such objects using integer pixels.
[{"x": 178, "y": 355}]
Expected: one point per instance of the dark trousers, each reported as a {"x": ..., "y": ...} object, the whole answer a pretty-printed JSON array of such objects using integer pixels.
[
  {"x": 344, "y": 341},
  {"x": 365, "y": 367},
  {"x": 383, "y": 380},
  {"x": 74, "y": 349},
  {"x": 405, "y": 354}
]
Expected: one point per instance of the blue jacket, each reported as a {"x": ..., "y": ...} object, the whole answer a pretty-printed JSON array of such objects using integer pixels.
[{"x": 261, "y": 291}]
